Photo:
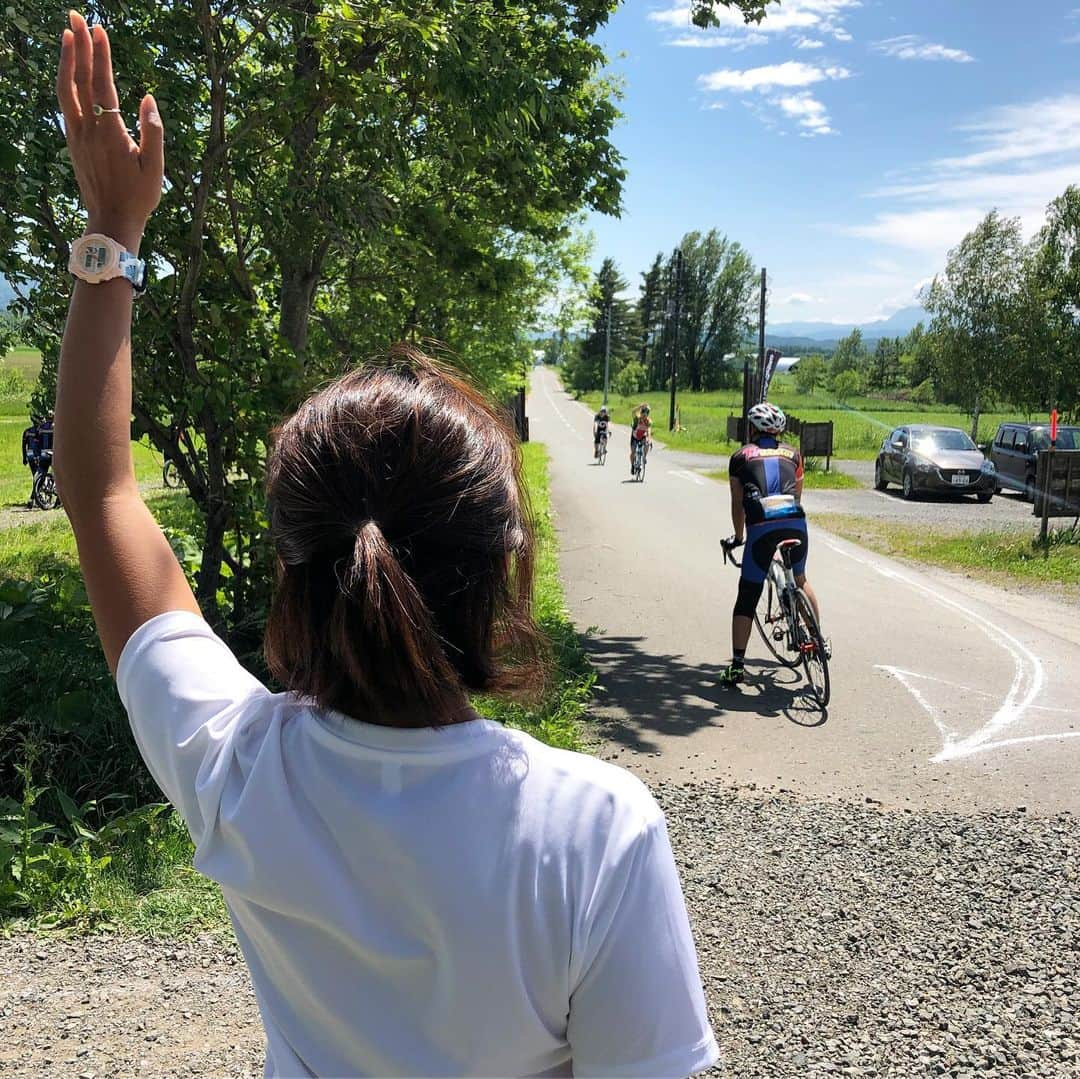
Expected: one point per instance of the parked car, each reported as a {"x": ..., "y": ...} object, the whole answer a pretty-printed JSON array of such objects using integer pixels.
[
  {"x": 1015, "y": 453},
  {"x": 922, "y": 459}
]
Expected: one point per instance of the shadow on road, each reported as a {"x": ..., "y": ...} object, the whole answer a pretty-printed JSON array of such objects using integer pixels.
[{"x": 663, "y": 696}]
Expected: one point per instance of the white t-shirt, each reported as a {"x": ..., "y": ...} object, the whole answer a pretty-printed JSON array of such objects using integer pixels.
[{"x": 455, "y": 901}]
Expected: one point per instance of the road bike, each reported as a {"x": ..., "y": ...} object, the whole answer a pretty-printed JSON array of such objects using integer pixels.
[
  {"x": 788, "y": 625},
  {"x": 601, "y": 453},
  {"x": 638, "y": 471}
]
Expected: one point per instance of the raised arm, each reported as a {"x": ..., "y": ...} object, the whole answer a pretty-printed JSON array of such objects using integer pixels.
[{"x": 130, "y": 571}]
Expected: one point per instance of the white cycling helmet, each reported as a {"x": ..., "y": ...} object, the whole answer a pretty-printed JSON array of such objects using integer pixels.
[{"x": 768, "y": 419}]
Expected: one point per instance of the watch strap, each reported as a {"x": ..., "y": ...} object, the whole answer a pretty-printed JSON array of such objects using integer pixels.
[{"x": 133, "y": 269}]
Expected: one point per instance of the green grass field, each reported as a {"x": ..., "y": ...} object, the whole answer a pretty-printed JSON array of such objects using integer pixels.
[
  {"x": 27, "y": 361},
  {"x": 859, "y": 426},
  {"x": 998, "y": 557}
]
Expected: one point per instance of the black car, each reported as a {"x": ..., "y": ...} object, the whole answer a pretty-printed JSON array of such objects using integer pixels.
[
  {"x": 1015, "y": 453},
  {"x": 943, "y": 460}
]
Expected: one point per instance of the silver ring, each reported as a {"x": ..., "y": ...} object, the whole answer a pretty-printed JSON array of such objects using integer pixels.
[{"x": 98, "y": 110}]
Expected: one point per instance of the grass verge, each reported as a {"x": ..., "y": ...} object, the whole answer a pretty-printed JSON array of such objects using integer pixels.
[
  {"x": 998, "y": 557},
  {"x": 101, "y": 864},
  {"x": 813, "y": 479}
]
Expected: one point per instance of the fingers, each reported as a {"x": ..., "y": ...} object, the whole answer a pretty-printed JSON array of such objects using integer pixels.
[
  {"x": 102, "y": 81},
  {"x": 65, "y": 82},
  {"x": 84, "y": 63},
  {"x": 151, "y": 139}
]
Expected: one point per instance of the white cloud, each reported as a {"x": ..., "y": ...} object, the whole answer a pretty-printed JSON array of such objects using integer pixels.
[
  {"x": 1020, "y": 157},
  {"x": 1015, "y": 133},
  {"x": 809, "y": 43},
  {"x": 820, "y": 16},
  {"x": 801, "y": 298},
  {"x": 791, "y": 73},
  {"x": 717, "y": 41},
  {"x": 810, "y": 113},
  {"x": 912, "y": 47}
]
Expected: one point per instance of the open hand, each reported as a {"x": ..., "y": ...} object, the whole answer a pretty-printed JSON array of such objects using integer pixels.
[{"x": 120, "y": 181}]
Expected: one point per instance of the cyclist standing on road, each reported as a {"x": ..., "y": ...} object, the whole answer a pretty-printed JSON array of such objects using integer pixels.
[
  {"x": 640, "y": 431},
  {"x": 601, "y": 422},
  {"x": 32, "y": 445},
  {"x": 766, "y": 478}
]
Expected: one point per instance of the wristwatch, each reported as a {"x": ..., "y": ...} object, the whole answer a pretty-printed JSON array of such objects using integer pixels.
[{"x": 96, "y": 258}]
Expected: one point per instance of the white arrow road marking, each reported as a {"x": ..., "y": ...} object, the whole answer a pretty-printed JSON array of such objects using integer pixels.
[{"x": 1027, "y": 683}]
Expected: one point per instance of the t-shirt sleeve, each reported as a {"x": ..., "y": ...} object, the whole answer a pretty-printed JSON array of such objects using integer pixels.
[
  {"x": 186, "y": 697},
  {"x": 638, "y": 1008}
]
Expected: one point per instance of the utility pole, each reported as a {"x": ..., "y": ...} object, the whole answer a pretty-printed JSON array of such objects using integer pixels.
[
  {"x": 675, "y": 349},
  {"x": 607, "y": 353},
  {"x": 761, "y": 336}
]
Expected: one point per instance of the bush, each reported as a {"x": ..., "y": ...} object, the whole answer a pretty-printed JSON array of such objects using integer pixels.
[
  {"x": 631, "y": 380},
  {"x": 923, "y": 394},
  {"x": 846, "y": 384}
]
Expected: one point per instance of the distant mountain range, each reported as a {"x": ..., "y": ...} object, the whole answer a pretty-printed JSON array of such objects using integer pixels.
[{"x": 806, "y": 334}]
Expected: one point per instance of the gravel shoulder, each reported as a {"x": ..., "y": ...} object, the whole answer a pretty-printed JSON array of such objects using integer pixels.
[{"x": 834, "y": 939}]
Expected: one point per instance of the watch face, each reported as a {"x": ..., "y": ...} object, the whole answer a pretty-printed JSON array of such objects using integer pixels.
[{"x": 94, "y": 257}]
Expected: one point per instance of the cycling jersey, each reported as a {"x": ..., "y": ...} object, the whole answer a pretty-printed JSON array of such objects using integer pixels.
[
  {"x": 601, "y": 425},
  {"x": 769, "y": 472},
  {"x": 640, "y": 431}
]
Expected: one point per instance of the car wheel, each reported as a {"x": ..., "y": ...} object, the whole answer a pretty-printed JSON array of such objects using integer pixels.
[
  {"x": 997, "y": 490},
  {"x": 1029, "y": 489},
  {"x": 880, "y": 482},
  {"x": 985, "y": 496},
  {"x": 909, "y": 486}
]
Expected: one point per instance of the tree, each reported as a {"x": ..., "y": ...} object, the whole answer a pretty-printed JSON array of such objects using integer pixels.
[
  {"x": 974, "y": 305},
  {"x": 651, "y": 313},
  {"x": 850, "y": 354},
  {"x": 846, "y": 385},
  {"x": 719, "y": 279},
  {"x": 883, "y": 369},
  {"x": 585, "y": 370},
  {"x": 339, "y": 175},
  {"x": 810, "y": 374},
  {"x": 703, "y": 12},
  {"x": 916, "y": 357},
  {"x": 1050, "y": 313}
]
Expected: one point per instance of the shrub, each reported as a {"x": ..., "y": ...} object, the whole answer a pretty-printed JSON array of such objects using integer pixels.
[
  {"x": 923, "y": 394},
  {"x": 631, "y": 380}
]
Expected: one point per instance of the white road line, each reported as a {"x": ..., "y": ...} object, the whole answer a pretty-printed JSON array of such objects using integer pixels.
[
  {"x": 686, "y": 474},
  {"x": 558, "y": 411},
  {"x": 1027, "y": 682}
]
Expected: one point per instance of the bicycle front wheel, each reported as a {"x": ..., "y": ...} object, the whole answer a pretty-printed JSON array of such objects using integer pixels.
[
  {"x": 45, "y": 494},
  {"x": 812, "y": 649},
  {"x": 774, "y": 619}
]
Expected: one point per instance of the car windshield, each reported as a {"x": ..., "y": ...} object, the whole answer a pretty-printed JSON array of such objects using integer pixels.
[
  {"x": 1068, "y": 438},
  {"x": 931, "y": 442}
]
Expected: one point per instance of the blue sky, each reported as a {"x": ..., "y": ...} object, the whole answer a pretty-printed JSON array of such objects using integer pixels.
[{"x": 848, "y": 144}]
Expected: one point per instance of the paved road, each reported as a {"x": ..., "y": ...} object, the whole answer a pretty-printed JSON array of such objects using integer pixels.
[{"x": 946, "y": 694}]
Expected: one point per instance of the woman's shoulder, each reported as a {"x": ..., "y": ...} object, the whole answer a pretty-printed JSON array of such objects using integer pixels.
[{"x": 586, "y": 780}]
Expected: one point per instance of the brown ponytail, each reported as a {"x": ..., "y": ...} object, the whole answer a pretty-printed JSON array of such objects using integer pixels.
[{"x": 404, "y": 546}]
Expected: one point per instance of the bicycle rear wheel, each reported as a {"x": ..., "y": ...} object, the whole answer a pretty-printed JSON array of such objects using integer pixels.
[
  {"x": 170, "y": 475},
  {"x": 812, "y": 649},
  {"x": 775, "y": 617}
]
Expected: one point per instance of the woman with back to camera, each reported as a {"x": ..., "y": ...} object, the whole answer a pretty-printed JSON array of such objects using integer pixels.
[{"x": 416, "y": 891}]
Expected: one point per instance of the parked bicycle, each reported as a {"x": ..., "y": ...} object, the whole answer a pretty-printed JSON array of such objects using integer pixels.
[{"x": 787, "y": 624}]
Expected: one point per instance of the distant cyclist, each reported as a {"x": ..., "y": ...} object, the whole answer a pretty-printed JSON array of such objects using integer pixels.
[
  {"x": 640, "y": 431},
  {"x": 766, "y": 478},
  {"x": 601, "y": 423},
  {"x": 33, "y": 452}
]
